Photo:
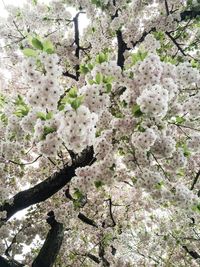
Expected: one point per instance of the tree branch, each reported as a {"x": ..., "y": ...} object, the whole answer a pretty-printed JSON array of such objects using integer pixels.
[
  {"x": 70, "y": 75},
  {"x": 190, "y": 14},
  {"x": 184, "y": 16},
  {"x": 122, "y": 47},
  {"x": 9, "y": 263},
  {"x": 110, "y": 211},
  {"x": 87, "y": 220},
  {"x": 167, "y": 7},
  {"x": 193, "y": 254},
  {"x": 77, "y": 42},
  {"x": 50, "y": 249},
  {"x": 195, "y": 180},
  {"x": 46, "y": 188},
  {"x": 176, "y": 43},
  {"x": 93, "y": 257},
  {"x": 102, "y": 256}
]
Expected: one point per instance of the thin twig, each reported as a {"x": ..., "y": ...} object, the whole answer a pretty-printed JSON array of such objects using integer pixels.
[{"x": 23, "y": 164}]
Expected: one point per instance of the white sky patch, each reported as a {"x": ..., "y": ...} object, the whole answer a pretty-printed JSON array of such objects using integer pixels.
[{"x": 83, "y": 20}]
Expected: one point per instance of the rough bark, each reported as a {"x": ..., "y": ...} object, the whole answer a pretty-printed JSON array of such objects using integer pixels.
[
  {"x": 9, "y": 263},
  {"x": 51, "y": 247}
]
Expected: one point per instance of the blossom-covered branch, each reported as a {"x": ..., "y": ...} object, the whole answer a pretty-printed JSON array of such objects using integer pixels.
[{"x": 46, "y": 188}]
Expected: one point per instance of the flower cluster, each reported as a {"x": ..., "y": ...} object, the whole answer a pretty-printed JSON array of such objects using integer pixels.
[
  {"x": 77, "y": 127},
  {"x": 154, "y": 101},
  {"x": 144, "y": 140},
  {"x": 45, "y": 90},
  {"x": 94, "y": 98}
]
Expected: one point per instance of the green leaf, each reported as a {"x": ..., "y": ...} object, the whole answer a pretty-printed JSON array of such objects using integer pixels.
[
  {"x": 159, "y": 35},
  {"x": 108, "y": 87},
  {"x": 186, "y": 151},
  {"x": 159, "y": 185},
  {"x": 34, "y": 2},
  {"x": 22, "y": 111},
  {"x": 79, "y": 198},
  {"x": 75, "y": 104},
  {"x": 136, "y": 111},
  {"x": 41, "y": 115},
  {"x": 90, "y": 66},
  {"x": 91, "y": 82},
  {"x": 108, "y": 237},
  {"x": 2, "y": 100},
  {"x": 48, "y": 46},
  {"x": 180, "y": 120},
  {"x": 49, "y": 115},
  {"x": 19, "y": 101},
  {"x": 101, "y": 57},
  {"x": 78, "y": 194},
  {"x": 37, "y": 43},
  {"x": 98, "y": 78},
  {"x": 22, "y": 108},
  {"x": 107, "y": 79},
  {"x": 139, "y": 56},
  {"x": 4, "y": 118},
  {"x": 29, "y": 52},
  {"x": 140, "y": 129},
  {"x": 83, "y": 69},
  {"x": 98, "y": 184},
  {"x": 196, "y": 208},
  {"x": 48, "y": 130},
  {"x": 73, "y": 92}
]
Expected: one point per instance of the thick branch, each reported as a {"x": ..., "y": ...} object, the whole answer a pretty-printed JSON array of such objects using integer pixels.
[
  {"x": 50, "y": 249},
  {"x": 122, "y": 47},
  {"x": 190, "y": 14},
  {"x": 47, "y": 188},
  {"x": 193, "y": 254},
  {"x": 77, "y": 42},
  {"x": 9, "y": 263}
]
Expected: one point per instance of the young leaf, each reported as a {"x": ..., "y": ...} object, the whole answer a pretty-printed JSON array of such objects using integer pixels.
[
  {"x": 29, "y": 52},
  {"x": 49, "y": 115},
  {"x": 98, "y": 78},
  {"x": 37, "y": 43},
  {"x": 136, "y": 111},
  {"x": 41, "y": 115},
  {"x": 73, "y": 92},
  {"x": 179, "y": 119},
  {"x": 83, "y": 69},
  {"x": 48, "y": 46},
  {"x": 47, "y": 130},
  {"x": 108, "y": 87},
  {"x": 75, "y": 104}
]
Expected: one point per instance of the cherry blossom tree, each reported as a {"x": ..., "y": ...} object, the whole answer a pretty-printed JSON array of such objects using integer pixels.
[{"x": 100, "y": 134}]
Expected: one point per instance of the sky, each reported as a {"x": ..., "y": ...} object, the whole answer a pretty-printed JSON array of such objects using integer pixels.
[
  {"x": 83, "y": 21},
  {"x": 9, "y": 2}
]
